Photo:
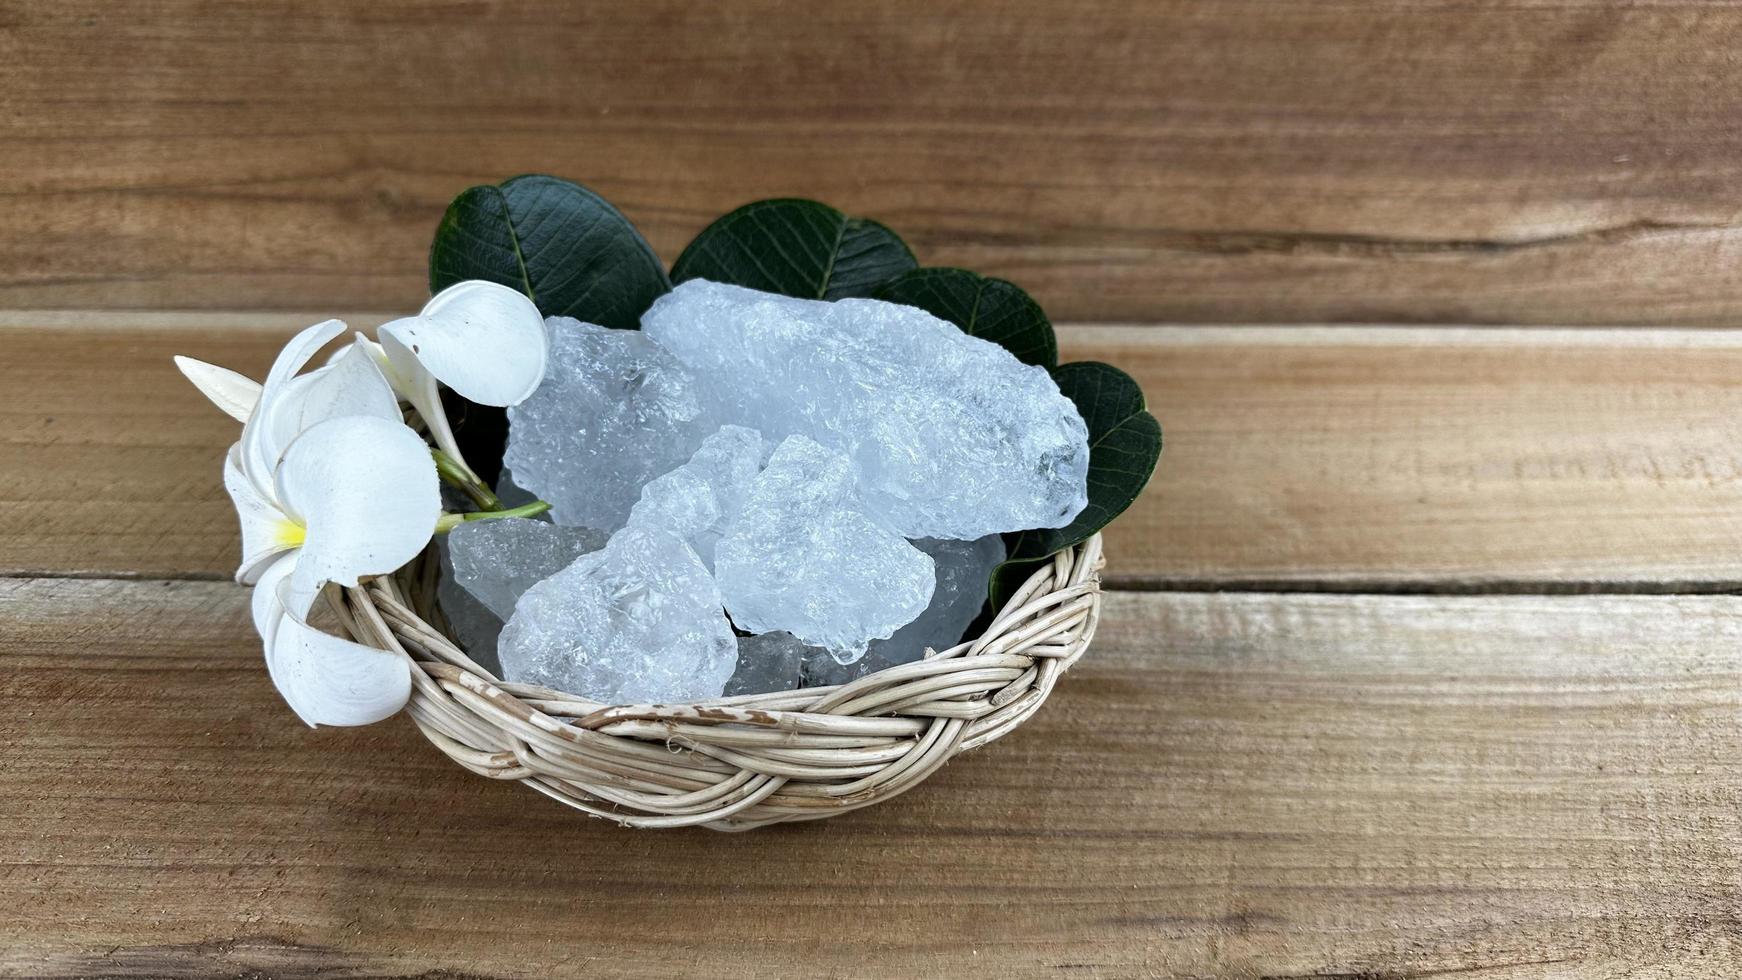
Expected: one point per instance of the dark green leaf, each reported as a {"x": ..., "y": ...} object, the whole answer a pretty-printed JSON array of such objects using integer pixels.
[
  {"x": 796, "y": 248},
  {"x": 556, "y": 241},
  {"x": 1124, "y": 444},
  {"x": 991, "y": 309}
]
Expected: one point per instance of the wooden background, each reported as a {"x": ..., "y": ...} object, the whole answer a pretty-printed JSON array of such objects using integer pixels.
[{"x": 1423, "y": 657}]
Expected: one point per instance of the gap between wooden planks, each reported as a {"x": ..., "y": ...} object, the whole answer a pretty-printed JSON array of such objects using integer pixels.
[
  {"x": 1326, "y": 458},
  {"x": 1234, "y": 785}
]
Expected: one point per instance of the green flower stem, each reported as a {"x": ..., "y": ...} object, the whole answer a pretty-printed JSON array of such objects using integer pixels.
[
  {"x": 457, "y": 474},
  {"x": 447, "y": 522}
]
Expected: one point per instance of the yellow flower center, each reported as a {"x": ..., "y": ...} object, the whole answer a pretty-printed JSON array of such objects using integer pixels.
[{"x": 290, "y": 534}]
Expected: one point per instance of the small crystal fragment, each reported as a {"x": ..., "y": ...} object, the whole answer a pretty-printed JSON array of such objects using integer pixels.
[
  {"x": 471, "y": 624},
  {"x": 769, "y": 662},
  {"x": 614, "y": 411},
  {"x": 498, "y": 560},
  {"x": 511, "y": 494},
  {"x": 639, "y": 621},
  {"x": 963, "y": 570},
  {"x": 953, "y": 437},
  {"x": 804, "y": 558},
  {"x": 699, "y": 500}
]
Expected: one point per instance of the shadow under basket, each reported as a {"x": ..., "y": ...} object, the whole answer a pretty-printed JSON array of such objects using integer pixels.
[{"x": 739, "y": 762}]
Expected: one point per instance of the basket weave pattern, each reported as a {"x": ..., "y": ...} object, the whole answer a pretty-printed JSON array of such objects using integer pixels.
[{"x": 740, "y": 762}]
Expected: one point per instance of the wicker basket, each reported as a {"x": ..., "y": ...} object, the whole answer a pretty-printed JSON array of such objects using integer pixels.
[{"x": 739, "y": 762}]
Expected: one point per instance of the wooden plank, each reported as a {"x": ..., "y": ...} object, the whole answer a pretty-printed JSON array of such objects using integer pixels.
[
  {"x": 1371, "y": 458},
  {"x": 1359, "y": 458},
  {"x": 1231, "y": 785},
  {"x": 1519, "y": 161}
]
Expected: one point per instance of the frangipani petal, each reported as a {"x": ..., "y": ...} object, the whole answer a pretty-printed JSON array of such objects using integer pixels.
[
  {"x": 329, "y": 681},
  {"x": 351, "y": 386},
  {"x": 482, "y": 339},
  {"x": 234, "y": 394},
  {"x": 266, "y": 531},
  {"x": 301, "y": 349},
  {"x": 374, "y": 350},
  {"x": 269, "y": 615},
  {"x": 367, "y": 493},
  {"x": 265, "y": 605},
  {"x": 258, "y": 458},
  {"x": 418, "y": 387}
]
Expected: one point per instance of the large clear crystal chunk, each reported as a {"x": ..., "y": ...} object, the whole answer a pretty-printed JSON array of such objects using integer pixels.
[{"x": 952, "y": 436}]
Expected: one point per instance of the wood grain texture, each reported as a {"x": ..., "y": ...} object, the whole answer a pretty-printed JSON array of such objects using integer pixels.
[
  {"x": 1380, "y": 459},
  {"x": 1519, "y": 161},
  {"x": 1227, "y": 785},
  {"x": 1360, "y": 458}
]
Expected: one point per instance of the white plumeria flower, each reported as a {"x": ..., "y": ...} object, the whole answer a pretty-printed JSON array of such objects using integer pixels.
[
  {"x": 359, "y": 494},
  {"x": 330, "y": 486},
  {"x": 482, "y": 339}
]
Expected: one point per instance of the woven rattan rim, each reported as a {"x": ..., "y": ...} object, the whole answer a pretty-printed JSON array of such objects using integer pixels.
[{"x": 739, "y": 762}]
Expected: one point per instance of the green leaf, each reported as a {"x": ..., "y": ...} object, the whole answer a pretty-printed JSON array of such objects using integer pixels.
[
  {"x": 1124, "y": 445},
  {"x": 992, "y": 309},
  {"x": 557, "y": 242},
  {"x": 796, "y": 248}
]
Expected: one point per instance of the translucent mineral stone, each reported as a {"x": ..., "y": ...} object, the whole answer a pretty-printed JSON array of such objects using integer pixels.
[
  {"x": 498, "y": 560},
  {"x": 953, "y": 437},
  {"x": 700, "y": 499},
  {"x": 639, "y": 621},
  {"x": 614, "y": 411},
  {"x": 512, "y": 494},
  {"x": 805, "y": 558},
  {"x": 963, "y": 570},
  {"x": 770, "y": 662},
  {"x": 471, "y": 623}
]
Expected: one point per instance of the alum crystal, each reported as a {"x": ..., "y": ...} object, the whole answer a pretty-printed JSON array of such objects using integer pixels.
[
  {"x": 498, "y": 560},
  {"x": 805, "y": 558},
  {"x": 952, "y": 436},
  {"x": 638, "y": 621},
  {"x": 614, "y": 411},
  {"x": 769, "y": 662},
  {"x": 471, "y": 624},
  {"x": 699, "y": 500},
  {"x": 963, "y": 570}
]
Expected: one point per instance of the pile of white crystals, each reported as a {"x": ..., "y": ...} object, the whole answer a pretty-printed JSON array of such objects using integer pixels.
[{"x": 755, "y": 493}]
